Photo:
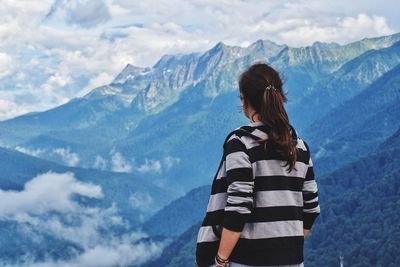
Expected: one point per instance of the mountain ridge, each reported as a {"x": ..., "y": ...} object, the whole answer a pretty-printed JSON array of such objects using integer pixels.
[{"x": 180, "y": 105}]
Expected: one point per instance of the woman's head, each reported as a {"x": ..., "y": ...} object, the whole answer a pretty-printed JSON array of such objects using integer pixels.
[{"x": 262, "y": 96}]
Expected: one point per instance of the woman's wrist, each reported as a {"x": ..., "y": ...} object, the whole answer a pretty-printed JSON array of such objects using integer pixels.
[
  {"x": 220, "y": 261},
  {"x": 222, "y": 257}
]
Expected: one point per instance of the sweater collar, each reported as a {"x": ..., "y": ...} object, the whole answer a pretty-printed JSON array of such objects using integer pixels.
[{"x": 260, "y": 130}]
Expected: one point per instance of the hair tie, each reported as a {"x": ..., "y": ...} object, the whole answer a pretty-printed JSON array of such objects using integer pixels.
[{"x": 269, "y": 87}]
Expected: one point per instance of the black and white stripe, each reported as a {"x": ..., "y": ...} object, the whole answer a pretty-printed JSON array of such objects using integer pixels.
[{"x": 253, "y": 193}]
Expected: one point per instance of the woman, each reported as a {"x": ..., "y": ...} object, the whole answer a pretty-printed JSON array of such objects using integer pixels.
[{"x": 264, "y": 197}]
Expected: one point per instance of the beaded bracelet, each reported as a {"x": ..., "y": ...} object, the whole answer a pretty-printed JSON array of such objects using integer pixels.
[{"x": 221, "y": 262}]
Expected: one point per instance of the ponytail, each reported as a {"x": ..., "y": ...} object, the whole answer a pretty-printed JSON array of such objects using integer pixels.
[{"x": 261, "y": 87}]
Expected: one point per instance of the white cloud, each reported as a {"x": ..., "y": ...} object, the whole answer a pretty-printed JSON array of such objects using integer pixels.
[
  {"x": 101, "y": 79},
  {"x": 45, "y": 207},
  {"x": 141, "y": 200},
  {"x": 46, "y": 192},
  {"x": 115, "y": 252},
  {"x": 150, "y": 166},
  {"x": 9, "y": 109},
  {"x": 119, "y": 163},
  {"x": 158, "y": 166},
  {"x": 53, "y": 87},
  {"x": 346, "y": 28},
  {"x": 85, "y": 13},
  {"x": 169, "y": 161},
  {"x": 70, "y": 158},
  {"x": 33, "y": 152},
  {"x": 65, "y": 154},
  {"x": 100, "y": 163},
  {"x": 5, "y": 64}
]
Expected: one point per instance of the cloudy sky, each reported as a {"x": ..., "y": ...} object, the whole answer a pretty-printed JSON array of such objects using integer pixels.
[{"x": 52, "y": 51}]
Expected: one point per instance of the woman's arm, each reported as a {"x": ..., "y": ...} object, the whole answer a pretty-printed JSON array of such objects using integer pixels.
[
  {"x": 240, "y": 195},
  {"x": 228, "y": 242},
  {"x": 311, "y": 208}
]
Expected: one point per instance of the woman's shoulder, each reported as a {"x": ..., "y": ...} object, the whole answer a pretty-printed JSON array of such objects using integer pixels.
[
  {"x": 302, "y": 144},
  {"x": 241, "y": 132},
  {"x": 235, "y": 133}
]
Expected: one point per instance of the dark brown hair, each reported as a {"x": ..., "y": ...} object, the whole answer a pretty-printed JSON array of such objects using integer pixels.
[{"x": 269, "y": 104}]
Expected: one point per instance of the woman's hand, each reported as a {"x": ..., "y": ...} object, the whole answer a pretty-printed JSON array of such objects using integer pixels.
[{"x": 305, "y": 231}]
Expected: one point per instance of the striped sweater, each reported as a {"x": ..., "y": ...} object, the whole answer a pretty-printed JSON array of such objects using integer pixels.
[{"x": 253, "y": 193}]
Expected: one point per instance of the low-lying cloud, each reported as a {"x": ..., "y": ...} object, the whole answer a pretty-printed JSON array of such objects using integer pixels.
[
  {"x": 116, "y": 162},
  {"x": 67, "y": 156},
  {"x": 119, "y": 163},
  {"x": 47, "y": 206},
  {"x": 100, "y": 163},
  {"x": 150, "y": 165},
  {"x": 44, "y": 193},
  {"x": 33, "y": 152}
]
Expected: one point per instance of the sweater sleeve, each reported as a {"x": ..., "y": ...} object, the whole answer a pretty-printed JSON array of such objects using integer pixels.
[
  {"x": 311, "y": 208},
  {"x": 240, "y": 181}
]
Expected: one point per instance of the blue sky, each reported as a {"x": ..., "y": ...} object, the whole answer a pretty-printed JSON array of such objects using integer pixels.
[{"x": 52, "y": 51}]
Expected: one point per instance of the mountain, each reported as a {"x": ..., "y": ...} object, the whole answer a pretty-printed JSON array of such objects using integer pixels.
[
  {"x": 190, "y": 129},
  {"x": 120, "y": 188},
  {"x": 358, "y": 125},
  {"x": 391, "y": 143},
  {"x": 361, "y": 226},
  {"x": 348, "y": 81},
  {"x": 359, "y": 221},
  {"x": 52, "y": 213},
  {"x": 157, "y": 119},
  {"x": 179, "y": 253},
  {"x": 165, "y": 223},
  {"x": 155, "y": 134},
  {"x": 303, "y": 67},
  {"x": 130, "y": 72},
  {"x": 378, "y": 163}
]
